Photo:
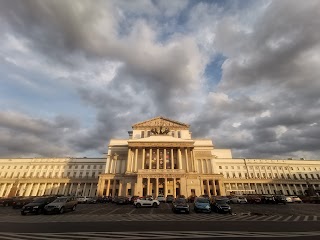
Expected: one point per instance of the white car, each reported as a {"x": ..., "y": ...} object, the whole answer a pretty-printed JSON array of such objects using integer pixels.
[
  {"x": 83, "y": 199},
  {"x": 238, "y": 200},
  {"x": 296, "y": 199},
  {"x": 146, "y": 202},
  {"x": 289, "y": 199},
  {"x": 161, "y": 198}
]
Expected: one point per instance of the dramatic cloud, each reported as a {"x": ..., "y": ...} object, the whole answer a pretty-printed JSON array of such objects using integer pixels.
[{"x": 75, "y": 74}]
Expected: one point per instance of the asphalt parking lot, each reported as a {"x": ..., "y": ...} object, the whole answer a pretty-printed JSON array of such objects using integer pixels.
[{"x": 165, "y": 208}]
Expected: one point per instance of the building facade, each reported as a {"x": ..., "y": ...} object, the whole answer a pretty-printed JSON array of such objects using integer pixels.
[
  {"x": 158, "y": 157},
  {"x": 46, "y": 176}
]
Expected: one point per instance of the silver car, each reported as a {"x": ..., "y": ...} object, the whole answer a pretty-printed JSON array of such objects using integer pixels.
[{"x": 60, "y": 205}]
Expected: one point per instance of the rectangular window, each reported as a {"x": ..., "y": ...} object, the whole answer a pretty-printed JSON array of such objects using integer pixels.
[
  {"x": 142, "y": 134},
  {"x": 220, "y": 167},
  {"x": 93, "y": 174},
  {"x": 82, "y": 166},
  {"x": 89, "y": 166},
  {"x": 179, "y": 134}
]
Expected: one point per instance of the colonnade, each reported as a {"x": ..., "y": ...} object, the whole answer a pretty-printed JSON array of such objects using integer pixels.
[
  {"x": 51, "y": 188},
  {"x": 265, "y": 188},
  {"x": 161, "y": 158}
]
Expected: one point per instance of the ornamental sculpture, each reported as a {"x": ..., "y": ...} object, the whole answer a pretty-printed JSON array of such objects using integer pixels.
[{"x": 160, "y": 130}]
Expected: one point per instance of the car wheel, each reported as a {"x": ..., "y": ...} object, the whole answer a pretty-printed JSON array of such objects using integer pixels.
[
  {"x": 39, "y": 211},
  {"x": 74, "y": 208},
  {"x": 23, "y": 213},
  {"x": 61, "y": 210},
  {"x": 155, "y": 205},
  {"x": 188, "y": 212},
  {"x": 138, "y": 205}
]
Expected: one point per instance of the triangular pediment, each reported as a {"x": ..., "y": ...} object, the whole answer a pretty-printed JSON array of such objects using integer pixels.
[{"x": 160, "y": 122}]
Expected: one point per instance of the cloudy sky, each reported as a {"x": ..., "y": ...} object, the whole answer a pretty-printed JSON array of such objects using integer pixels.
[{"x": 74, "y": 74}]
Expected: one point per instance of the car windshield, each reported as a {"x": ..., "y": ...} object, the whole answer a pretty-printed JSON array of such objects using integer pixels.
[
  {"x": 60, "y": 200},
  {"x": 222, "y": 201},
  {"x": 180, "y": 200},
  {"x": 39, "y": 200},
  {"x": 202, "y": 200}
]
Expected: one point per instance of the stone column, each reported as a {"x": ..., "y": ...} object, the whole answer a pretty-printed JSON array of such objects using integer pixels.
[
  {"x": 174, "y": 187},
  {"x": 164, "y": 159},
  {"x": 70, "y": 190},
  {"x": 201, "y": 186},
  {"x": 295, "y": 188},
  {"x": 108, "y": 188},
  {"x": 263, "y": 191},
  {"x": 77, "y": 189},
  {"x": 128, "y": 160},
  {"x": 195, "y": 167},
  {"x": 120, "y": 188},
  {"x": 143, "y": 158},
  {"x": 2, "y": 191},
  {"x": 221, "y": 187},
  {"x": 157, "y": 187},
  {"x": 157, "y": 158},
  {"x": 172, "y": 159},
  {"x": 187, "y": 159},
  {"x": 150, "y": 158},
  {"x": 90, "y": 190},
  {"x": 179, "y": 158},
  {"x": 138, "y": 188},
  {"x": 208, "y": 188},
  {"x": 283, "y": 192},
  {"x": 136, "y": 161},
  {"x": 183, "y": 186},
  {"x": 214, "y": 189},
  {"x": 165, "y": 187},
  {"x": 269, "y": 189},
  {"x": 148, "y": 186},
  {"x": 57, "y": 190},
  {"x": 64, "y": 189}
]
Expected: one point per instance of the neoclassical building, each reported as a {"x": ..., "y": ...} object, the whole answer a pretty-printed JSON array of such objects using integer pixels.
[
  {"x": 158, "y": 157},
  {"x": 161, "y": 157}
]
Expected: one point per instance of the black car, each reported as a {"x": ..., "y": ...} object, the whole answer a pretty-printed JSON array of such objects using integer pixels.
[
  {"x": 122, "y": 200},
  {"x": 6, "y": 201},
  {"x": 221, "y": 206},
  {"x": 180, "y": 205},
  {"x": 37, "y": 205},
  {"x": 280, "y": 199}
]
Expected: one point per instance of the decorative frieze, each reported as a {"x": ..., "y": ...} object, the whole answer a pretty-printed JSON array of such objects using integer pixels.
[{"x": 161, "y": 144}]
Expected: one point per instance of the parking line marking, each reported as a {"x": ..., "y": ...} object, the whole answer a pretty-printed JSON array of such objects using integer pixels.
[
  {"x": 131, "y": 211},
  {"x": 276, "y": 219},
  {"x": 287, "y": 218},
  {"x": 268, "y": 218},
  {"x": 112, "y": 211},
  {"x": 296, "y": 219},
  {"x": 305, "y": 218},
  {"x": 315, "y": 218},
  {"x": 151, "y": 211}
]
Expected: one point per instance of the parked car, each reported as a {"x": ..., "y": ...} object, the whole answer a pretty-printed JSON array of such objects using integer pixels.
[
  {"x": 253, "y": 199},
  {"x": 161, "y": 198},
  {"x": 296, "y": 199},
  {"x": 6, "y": 201},
  {"x": 268, "y": 199},
  {"x": 61, "y": 204},
  {"x": 122, "y": 200},
  {"x": 170, "y": 198},
  {"x": 92, "y": 200},
  {"x": 289, "y": 199},
  {"x": 83, "y": 199},
  {"x": 146, "y": 202},
  {"x": 238, "y": 200},
  {"x": 221, "y": 206},
  {"x": 280, "y": 199},
  {"x": 37, "y": 205},
  {"x": 21, "y": 201},
  {"x": 180, "y": 205},
  {"x": 202, "y": 205}
]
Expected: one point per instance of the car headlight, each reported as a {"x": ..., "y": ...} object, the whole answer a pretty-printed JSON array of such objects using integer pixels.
[
  {"x": 36, "y": 207},
  {"x": 207, "y": 207},
  {"x": 175, "y": 205}
]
